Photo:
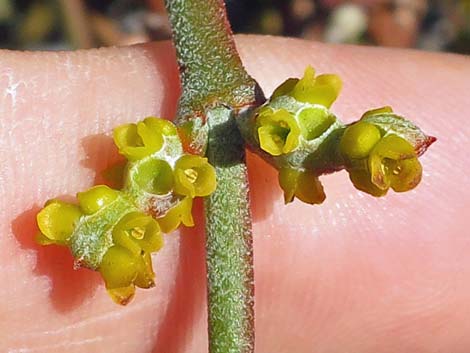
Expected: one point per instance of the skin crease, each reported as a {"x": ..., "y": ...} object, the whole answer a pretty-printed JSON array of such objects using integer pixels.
[{"x": 356, "y": 274}]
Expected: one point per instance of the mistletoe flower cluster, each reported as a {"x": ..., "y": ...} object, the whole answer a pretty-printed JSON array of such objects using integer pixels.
[
  {"x": 298, "y": 134},
  {"x": 116, "y": 231}
]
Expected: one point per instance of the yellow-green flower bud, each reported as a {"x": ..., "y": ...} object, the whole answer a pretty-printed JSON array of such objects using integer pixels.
[
  {"x": 194, "y": 176},
  {"x": 119, "y": 268},
  {"x": 381, "y": 151},
  {"x": 359, "y": 139},
  {"x": 56, "y": 222},
  {"x": 122, "y": 268},
  {"x": 96, "y": 198},
  {"x": 278, "y": 131},
  {"x": 180, "y": 213},
  {"x": 375, "y": 164},
  {"x": 304, "y": 185}
]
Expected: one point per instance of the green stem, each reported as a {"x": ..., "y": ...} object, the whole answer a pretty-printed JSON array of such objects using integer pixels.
[
  {"x": 210, "y": 67},
  {"x": 229, "y": 242},
  {"x": 215, "y": 89}
]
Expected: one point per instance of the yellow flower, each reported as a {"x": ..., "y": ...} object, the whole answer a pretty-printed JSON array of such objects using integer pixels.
[
  {"x": 136, "y": 141},
  {"x": 323, "y": 89},
  {"x": 194, "y": 176},
  {"x": 278, "y": 131},
  {"x": 393, "y": 163},
  {"x": 96, "y": 198},
  {"x": 137, "y": 231}
]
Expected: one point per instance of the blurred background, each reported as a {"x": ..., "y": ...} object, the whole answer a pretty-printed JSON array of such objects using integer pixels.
[{"x": 69, "y": 24}]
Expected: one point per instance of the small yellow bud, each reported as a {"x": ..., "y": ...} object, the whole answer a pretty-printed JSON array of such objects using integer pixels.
[
  {"x": 57, "y": 221},
  {"x": 96, "y": 198},
  {"x": 359, "y": 139}
]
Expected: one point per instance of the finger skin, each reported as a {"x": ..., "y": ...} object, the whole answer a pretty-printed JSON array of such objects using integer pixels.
[{"x": 356, "y": 274}]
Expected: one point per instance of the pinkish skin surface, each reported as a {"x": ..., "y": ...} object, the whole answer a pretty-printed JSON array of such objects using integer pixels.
[{"x": 356, "y": 274}]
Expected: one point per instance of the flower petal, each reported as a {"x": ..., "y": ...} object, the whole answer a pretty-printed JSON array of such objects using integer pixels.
[
  {"x": 323, "y": 89},
  {"x": 362, "y": 181},
  {"x": 138, "y": 141},
  {"x": 145, "y": 275},
  {"x": 285, "y": 88},
  {"x": 405, "y": 174}
]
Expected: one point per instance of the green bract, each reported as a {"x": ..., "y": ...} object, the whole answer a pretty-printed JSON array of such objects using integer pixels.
[
  {"x": 111, "y": 230},
  {"x": 154, "y": 176}
]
